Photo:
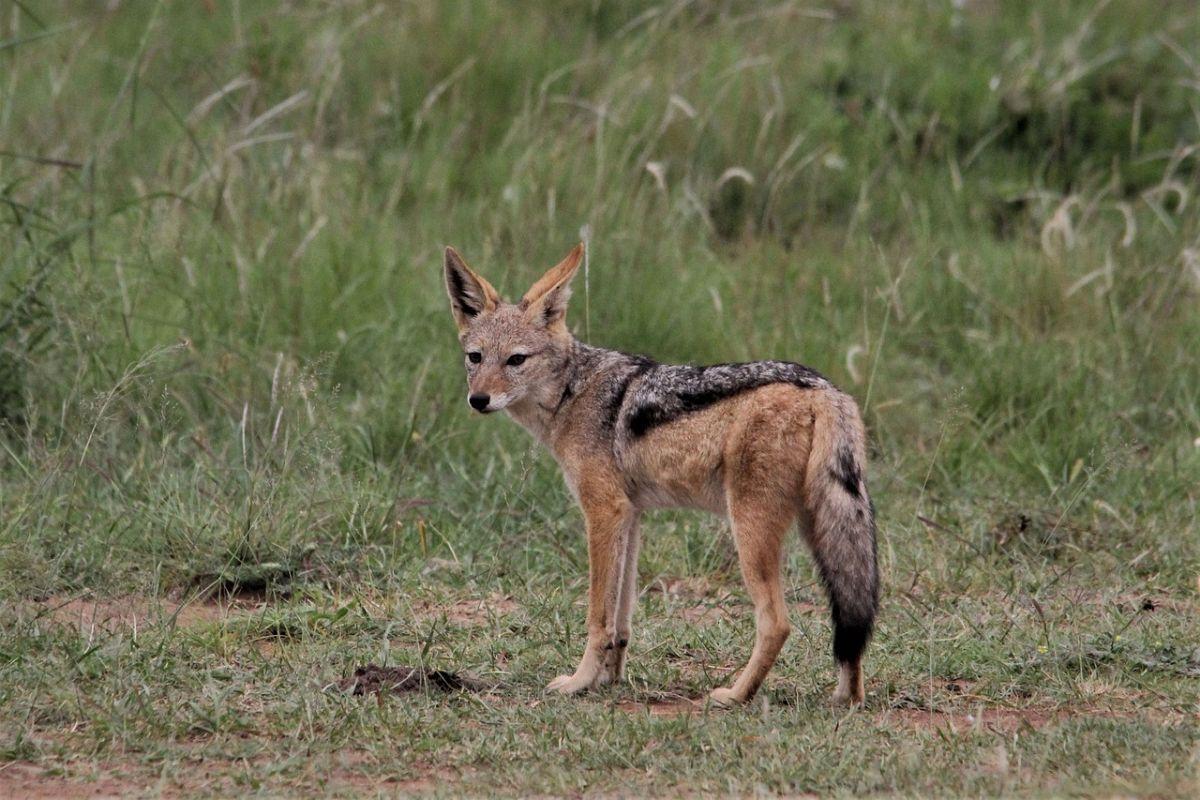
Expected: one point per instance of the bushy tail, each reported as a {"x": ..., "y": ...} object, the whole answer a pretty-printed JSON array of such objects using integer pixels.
[{"x": 842, "y": 526}]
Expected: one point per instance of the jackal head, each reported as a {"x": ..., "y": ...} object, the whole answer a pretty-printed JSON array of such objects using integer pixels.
[{"x": 513, "y": 351}]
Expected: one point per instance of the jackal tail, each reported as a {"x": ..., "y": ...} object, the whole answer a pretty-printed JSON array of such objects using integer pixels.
[{"x": 841, "y": 532}]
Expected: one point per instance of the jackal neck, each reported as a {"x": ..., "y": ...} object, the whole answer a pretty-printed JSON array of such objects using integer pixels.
[
  {"x": 538, "y": 412},
  {"x": 543, "y": 412}
]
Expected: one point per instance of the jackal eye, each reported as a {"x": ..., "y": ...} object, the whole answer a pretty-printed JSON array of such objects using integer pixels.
[
  {"x": 474, "y": 356},
  {"x": 516, "y": 359}
]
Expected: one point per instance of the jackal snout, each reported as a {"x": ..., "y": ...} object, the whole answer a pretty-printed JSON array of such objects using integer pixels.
[{"x": 488, "y": 388}]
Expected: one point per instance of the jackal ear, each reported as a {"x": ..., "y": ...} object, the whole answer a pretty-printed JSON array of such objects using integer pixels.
[
  {"x": 470, "y": 294},
  {"x": 546, "y": 301}
]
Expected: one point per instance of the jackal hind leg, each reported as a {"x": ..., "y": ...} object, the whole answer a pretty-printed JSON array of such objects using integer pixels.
[{"x": 760, "y": 525}]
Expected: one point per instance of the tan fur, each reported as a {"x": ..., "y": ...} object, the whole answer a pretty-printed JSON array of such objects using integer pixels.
[{"x": 760, "y": 458}]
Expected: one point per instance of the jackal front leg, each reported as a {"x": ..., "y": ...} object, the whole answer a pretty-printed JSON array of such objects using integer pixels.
[
  {"x": 611, "y": 521},
  {"x": 627, "y": 593}
]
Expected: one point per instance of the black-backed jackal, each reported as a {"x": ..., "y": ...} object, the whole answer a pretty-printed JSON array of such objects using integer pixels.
[{"x": 765, "y": 444}]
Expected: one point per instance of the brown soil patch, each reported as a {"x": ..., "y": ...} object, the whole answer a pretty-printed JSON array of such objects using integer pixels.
[
  {"x": 710, "y": 612},
  {"x": 133, "y": 612},
  {"x": 663, "y": 708},
  {"x": 388, "y": 786},
  {"x": 373, "y": 679},
  {"x": 18, "y": 780},
  {"x": 697, "y": 599},
  {"x": 805, "y": 607},
  {"x": 695, "y": 587},
  {"x": 702, "y": 601},
  {"x": 469, "y": 613},
  {"x": 482, "y": 611}
]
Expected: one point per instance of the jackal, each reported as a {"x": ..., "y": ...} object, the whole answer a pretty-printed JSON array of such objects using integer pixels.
[{"x": 765, "y": 444}]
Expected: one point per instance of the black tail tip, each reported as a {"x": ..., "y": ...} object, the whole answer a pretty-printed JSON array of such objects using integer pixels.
[{"x": 850, "y": 639}]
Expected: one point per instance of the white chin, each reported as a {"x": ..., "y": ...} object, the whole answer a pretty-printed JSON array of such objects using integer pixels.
[{"x": 499, "y": 403}]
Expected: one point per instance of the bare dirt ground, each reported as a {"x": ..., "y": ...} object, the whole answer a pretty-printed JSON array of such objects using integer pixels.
[
  {"x": 21, "y": 780},
  {"x": 129, "y": 612}
]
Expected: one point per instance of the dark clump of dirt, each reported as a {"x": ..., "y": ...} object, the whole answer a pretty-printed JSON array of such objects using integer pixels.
[
  {"x": 373, "y": 679},
  {"x": 253, "y": 582}
]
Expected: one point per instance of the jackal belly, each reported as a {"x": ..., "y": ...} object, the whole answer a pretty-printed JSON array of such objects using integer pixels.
[{"x": 678, "y": 486}]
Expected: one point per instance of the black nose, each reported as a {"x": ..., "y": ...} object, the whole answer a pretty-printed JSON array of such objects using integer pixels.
[{"x": 479, "y": 401}]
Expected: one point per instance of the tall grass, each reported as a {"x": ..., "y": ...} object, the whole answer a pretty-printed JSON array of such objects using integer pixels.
[{"x": 220, "y": 249}]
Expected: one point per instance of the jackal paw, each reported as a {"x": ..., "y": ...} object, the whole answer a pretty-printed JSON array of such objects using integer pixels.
[
  {"x": 614, "y": 666},
  {"x": 570, "y": 684},
  {"x": 725, "y": 698}
]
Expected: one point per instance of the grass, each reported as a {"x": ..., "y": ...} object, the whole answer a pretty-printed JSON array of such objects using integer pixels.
[{"x": 235, "y": 462}]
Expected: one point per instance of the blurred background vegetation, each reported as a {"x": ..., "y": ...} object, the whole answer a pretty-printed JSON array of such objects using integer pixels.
[{"x": 221, "y": 305}]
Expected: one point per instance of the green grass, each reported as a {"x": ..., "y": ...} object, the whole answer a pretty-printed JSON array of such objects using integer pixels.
[{"x": 227, "y": 361}]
